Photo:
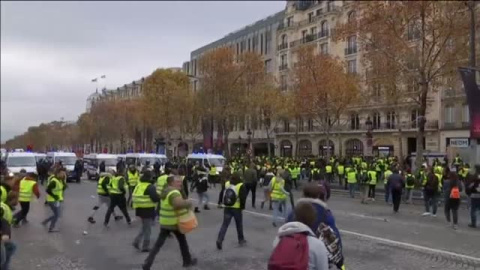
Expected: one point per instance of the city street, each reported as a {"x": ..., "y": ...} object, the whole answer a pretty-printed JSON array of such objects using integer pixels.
[{"x": 373, "y": 238}]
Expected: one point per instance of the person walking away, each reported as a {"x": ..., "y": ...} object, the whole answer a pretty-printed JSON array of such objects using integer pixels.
[
  {"x": 294, "y": 174},
  {"x": 457, "y": 162},
  {"x": 213, "y": 175},
  {"x": 395, "y": 184},
  {"x": 473, "y": 191},
  {"x": 341, "y": 174},
  {"x": 372, "y": 182},
  {"x": 352, "y": 179},
  {"x": 133, "y": 176},
  {"x": 278, "y": 196},
  {"x": 6, "y": 220},
  {"x": 172, "y": 207},
  {"x": 225, "y": 176},
  {"x": 145, "y": 198},
  {"x": 27, "y": 188},
  {"x": 102, "y": 167},
  {"x": 388, "y": 193},
  {"x": 452, "y": 188},
  {"x": 55, "y": 190},
  {"x": 103, "y": 196},
  {"x": 296, "y": 245},
  {"x": 234, "y": 200},
  {"x": 409, "y": 186},
  {"x": 201, "y": 185},
  {"x": 117, "y": 190},
  {"x": 266, "y": 188},
  {"x": 329, "y": 172},
  {"x": 156, "y": 169},
  {"x": 364, "y": 183},
  {"x": 78, "y": 169},
  {"x": 250, "y": 181},
  {"x": 289, "y": 186},
  {"x": 430, "y": 191}
]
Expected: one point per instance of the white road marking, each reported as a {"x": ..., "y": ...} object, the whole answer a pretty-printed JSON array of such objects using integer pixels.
[{"x": 384, "y": 240}]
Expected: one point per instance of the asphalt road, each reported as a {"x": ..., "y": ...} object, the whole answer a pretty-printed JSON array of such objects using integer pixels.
[{"x": 373, "y": 238}]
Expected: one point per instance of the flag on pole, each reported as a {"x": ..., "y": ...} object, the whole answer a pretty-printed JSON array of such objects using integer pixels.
[
  {"x": 94, "y": 80},
  {"x": 103, "y": 76}
]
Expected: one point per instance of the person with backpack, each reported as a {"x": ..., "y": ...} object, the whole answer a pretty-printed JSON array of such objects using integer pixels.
[
  {"x": 234, "y": 200},
  {"x": 409, "y": 185},
  {"x": 430, "y": 192},
  {"x": 278, "y": 196},
  {"x": 324, "y": 223},
  {"x": 201, "y": 185},
  {"x": 452, "y": 187},
  {"x": 395, "y": 184},
  {"x": 266, "y": 188},
  {"x": 225, "y": 176},
  {"x": 296, "y": 245}
]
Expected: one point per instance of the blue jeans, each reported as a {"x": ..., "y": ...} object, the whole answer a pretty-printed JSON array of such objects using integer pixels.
[
  {"x": 276, "y": 210},
  {"x": 474, "y": 209},
  {"x": 228, "y": 214},
  {"x": 10, "y": 249},
  {"x": 388, "y": 194},
  {"x": 430, "y": 199},
  {"x": 203, "y": 198},
  {"x": 55, "y": 206},
  {"x": 352, "y": 187}
]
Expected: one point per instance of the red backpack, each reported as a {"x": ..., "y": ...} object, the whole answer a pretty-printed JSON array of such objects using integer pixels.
[{"x": 291, "y": 253}]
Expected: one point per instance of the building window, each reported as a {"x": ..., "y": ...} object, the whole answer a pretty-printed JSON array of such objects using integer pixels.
[
  {"x": 413, "y": 31},
  {"x": 466, "y": 114},
  {"x": 284, "y": 39},
  {"x": 310, "y": 17},
  {"x": 254, "y": 122},
  {"x": 268, "y": 38},
  {"x": 324, "y": 48},
  {"x": 391, "y": 120},
  {"x": 319, "y": 11},
  {"x": 313, "y": 30},
  {"x": 249, "y": 44},
  {"x": 352, "y": 66},
  {"x": 449, "y": 114},
  {"x": 376, "y": 121},
  {"x": 330, "y": 5},
  {"x": 351, "y": 45},
  {"x": 324, "y": 29},
  {"x": 414, "y": 118},
  {"x": 300, "y": 124},
  {"x": 377, "y": 90},
  {"x": 289, "y": 21},
  {"x": 354, "y": 122},
  {"x": 195, "y": 86},
  {"x": 304, "y": 34},
  {"x": 241, "y": 123},
  {"x": 268, "y": 66},
  {"x": 283, "y": 60},
  {"x": 310, "y": 124},
  {"x": 351, "y": 16},
  {"x": 261, "y": 43},
  {"x": 286, "y": 126},
  {"x": 283, "y": 82}
]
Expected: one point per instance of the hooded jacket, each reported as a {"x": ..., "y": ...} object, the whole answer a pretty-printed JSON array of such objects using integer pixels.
[{"x": 317, "y": 252}]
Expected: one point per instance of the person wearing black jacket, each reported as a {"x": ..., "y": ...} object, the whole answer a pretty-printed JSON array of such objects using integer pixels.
[
  {"x": 117, "y": 190},
  {"x": 103, "y": 196},
  {"x": 234, "y": 211},
  {"x": 102, "y": 167},
  {"x": 473, "y": 190},
  {"x": 201, "y": 185},
  {"x": 145, "y": 192},
  {"x": 396, "y": 183}
]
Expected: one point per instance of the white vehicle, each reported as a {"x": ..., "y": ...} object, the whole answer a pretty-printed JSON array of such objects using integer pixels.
[
  {"x": 121, "y": 156},
  {"x": 68, "y": 160},
  {"x": 40, "y": 156},
  {"x": 92, "y": 164},
  {"x": 140, "y": 159},
  {"x": 16, "y": 161},
  {"x": 207, "y": 160}
]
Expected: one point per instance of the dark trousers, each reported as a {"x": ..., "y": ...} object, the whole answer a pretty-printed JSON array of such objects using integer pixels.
[
  {"x": 164, "y": 233},
  {"x": 294, "y": 180},
  {"x": 42, "y": 178},
  {"x": 291, "y": 199},
  {"x": 220, "y": 196},
  {"x": 371, "y": 191},
  {"x": 452, "y": 205},
  {"x": 228, "y": 214},
  {"x": 130, "y": 193},
  {"x": 474, "y": 208},
  {"x": 212, "y": 179},
  {"x": 329, "y": 177},
  {"x": 22, "y": 214},
  {"x": 117, "y": 200},
  {"x": 253, "y": 188},
  {"x": 396, "y": 198}
]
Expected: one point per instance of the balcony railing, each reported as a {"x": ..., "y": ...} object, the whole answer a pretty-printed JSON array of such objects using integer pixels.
[
  {"x": 306, "y": 39},
  {"x": 323, "y": 33},
  {"x": 350, "y": 50},
  {"x": 456, "y": 125},
  {"x": 283, "y": 67},
  {"x": 283, "y": 46},
  {"x": 452, "y": 93}
]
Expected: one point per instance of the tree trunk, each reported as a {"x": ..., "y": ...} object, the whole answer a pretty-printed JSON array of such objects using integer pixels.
[
  {"x": 421, "y": 125},
  {"x": 268, "y": 143},
  {"x": 296, "y": 140}
]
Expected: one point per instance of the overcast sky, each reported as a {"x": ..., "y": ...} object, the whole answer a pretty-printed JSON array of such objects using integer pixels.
[{"x": 50, "y": 51}]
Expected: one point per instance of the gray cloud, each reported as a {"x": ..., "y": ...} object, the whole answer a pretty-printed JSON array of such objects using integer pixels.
[{"x": 50, "y": 51}]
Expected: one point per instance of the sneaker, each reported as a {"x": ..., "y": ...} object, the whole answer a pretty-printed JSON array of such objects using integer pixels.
[
  {"x": 373, "y": 199},
  {"x": 262, "y": 205},
  {"x": 196, "y": 210},
  {"x": 242, "y": 242},
  {"x": 206, "y": 207},
  {"x": 118, "y": 218},
  {"x": 53, "y": 230},
  {"x": 455, "y": 227},
  {"x": 91, "y": 220},
  {"x": 220, "y": 206},
  {"x": 136, "y": 246},
  {"x": 145, "y": 250},
  {"x": 472, "y": 226},
  {"x": 219, "y": 245},
  {"x": 144, "y": 267},
  {"x": 274, "y": 224},
  {"x": 192, "y": 262},
  {"x": 434, "y": 215},
  {"x": 426, "y": 214}
]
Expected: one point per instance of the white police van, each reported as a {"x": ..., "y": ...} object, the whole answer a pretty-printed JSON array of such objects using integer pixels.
[
  {"x": 68, "y": 160},
  {"x": 207, "y": 160},
  {"x": 16, "y": 161},
  {"x": 92, "y": 164},
  {"x": 141, "y": 159}
]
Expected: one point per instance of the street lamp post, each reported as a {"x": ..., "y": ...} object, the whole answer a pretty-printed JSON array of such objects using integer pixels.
[
  {"x": 249, "y": 136},
  {"x": 369, "y": 125}
]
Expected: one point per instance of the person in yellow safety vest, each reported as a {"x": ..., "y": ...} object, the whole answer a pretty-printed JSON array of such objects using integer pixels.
[
  {"x": 4, "y": 190},
  {"x": 372, "y": 182},
  {"x": 213, "y": 175},
  {"x": 103, "y": 196},
  {"x": 364, "y": 165},
  {"x": 431, "y": 188},
  {"x": 145, "y": 199},
  {"x": 55, "y": 188},
  {"x": 235, "y": 197},
  {"x": 329, "y": 172},
  {"x": 409, "y": 186},
  {"x": 388, "y": 194},
  {"x": 27, "y": 188},
  {"x": 133, "y": 176},
  {"x": 173, "y": 207},
  {"x": 294, "y": 172},
  {"x": 315, "y": 174},
  {"x": 457, "y": 162},
  {"x": 352, "y": 179},
  {"x": 6, "y": 221},
  {"x": 341, "y": 173},
  {"x": 464, "y": 171},
  {"x": 278, "y": 196},
  {"x": 117, "y": 189}
]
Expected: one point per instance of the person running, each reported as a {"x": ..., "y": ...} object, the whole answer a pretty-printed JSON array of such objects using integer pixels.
[
  {"x": 103, "y": 195},
  {"x": 172, "y": 206},
  {"x": 234, "y": 200},
  {"x": 55, "y": 189},
  {"x": 278, "y": 196},
  {"x": 266, "y": 188},
  {"x": 117, "y": 190},
  {"x": 145, "y": 198},
  {"x": 395, "y": 184},
  {"x": 452, "y": 188},
  {"x": 27, "y": 188}
]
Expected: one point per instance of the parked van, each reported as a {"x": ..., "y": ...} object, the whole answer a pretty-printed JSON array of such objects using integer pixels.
[
  {"x": 68, "y": 160},
  {"x": 140, "y": 159},
  {"x": 207, "y": 160},
  {"x": 92, "y": 164},
  {"x": 16, "y": 161}
]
